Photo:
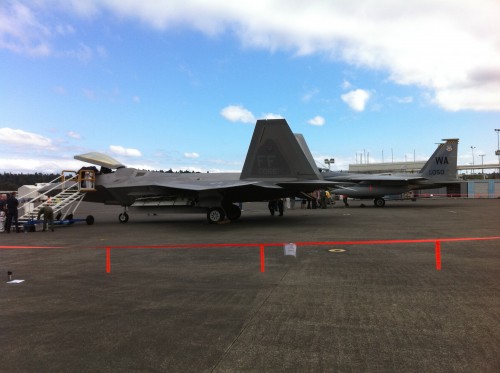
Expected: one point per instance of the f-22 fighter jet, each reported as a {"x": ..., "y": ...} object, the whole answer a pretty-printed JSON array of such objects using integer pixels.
[{"x": 277, "y": 165}]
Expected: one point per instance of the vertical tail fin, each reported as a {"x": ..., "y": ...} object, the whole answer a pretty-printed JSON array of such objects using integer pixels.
[
  {"x": 443, "y": 163},
  {"x": 275, "y": 153}
]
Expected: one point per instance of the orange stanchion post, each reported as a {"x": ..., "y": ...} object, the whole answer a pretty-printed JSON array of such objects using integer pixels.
[
  {"x": 262, "y": 262},
  {"x": 108, "y": 260},
  {"x": 438, "y": 255}
]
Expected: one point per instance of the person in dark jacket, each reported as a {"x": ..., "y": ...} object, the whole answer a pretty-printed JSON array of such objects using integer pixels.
[{"x": 12, "y": 204}]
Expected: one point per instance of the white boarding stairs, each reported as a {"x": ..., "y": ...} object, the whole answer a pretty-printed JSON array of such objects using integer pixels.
[{"x": 73, "y": 190}]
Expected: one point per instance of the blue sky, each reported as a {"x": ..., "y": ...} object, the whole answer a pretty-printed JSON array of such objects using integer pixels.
[{"x": 167, "y": 84}]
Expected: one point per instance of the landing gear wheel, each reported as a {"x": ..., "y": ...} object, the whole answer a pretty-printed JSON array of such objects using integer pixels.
[
  {"x": 89, "y": 220},
  {"x": 379, "y": 202},
  {"x": 215, "y": 214},
  {"x": 123, "y": 217},
  {"x": 233, "y": 212}
]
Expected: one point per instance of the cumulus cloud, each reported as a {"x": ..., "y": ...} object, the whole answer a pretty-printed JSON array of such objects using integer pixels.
[
  {"x": 356, "y": 99},
  {"x": 16, "y": 137},
  {"x": 237, "y": 113},
  {"x": 317, "y": 121},
  {"x": 127, "y": 152}
]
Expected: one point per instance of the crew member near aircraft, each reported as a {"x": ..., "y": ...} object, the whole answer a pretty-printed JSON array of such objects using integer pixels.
[
  {"x": 3, "y": 205},
  {"x": 48, "y": 216},
  {"x": 276, "y": 205},
  {"x": 12, "y": 204}
]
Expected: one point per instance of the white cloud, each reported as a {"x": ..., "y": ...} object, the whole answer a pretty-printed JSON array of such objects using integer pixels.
[
  {"x": 435, "y": 44},
  {"x": 127, "y": 152},
  {"x": 309, "y": 95},
  {"x": 191, "y": 155},
  {"x": 272, "y": 116},
  {"x": 45, "y": 165},
  {"x": 74, "y": 135},
  {"x": 356, "y": 99},
  {"x": 15, "y": 137},
  {"x": 317, "y": 121},
  {"x": 21, "y": 32},
  {"x": 237, "y": 113},
  {"x": 346, "y": 84},
  {"x": 443, "y": 46},
  {"x": 403, "y": 100}
]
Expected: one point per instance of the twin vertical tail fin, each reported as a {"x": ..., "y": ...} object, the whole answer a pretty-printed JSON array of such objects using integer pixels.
[
  {"x": 443, "y": 163},
  {"x": 275, "y": 153}
]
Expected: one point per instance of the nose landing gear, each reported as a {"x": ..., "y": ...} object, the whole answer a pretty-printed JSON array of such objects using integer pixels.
[{"x": 123, "y": 217}]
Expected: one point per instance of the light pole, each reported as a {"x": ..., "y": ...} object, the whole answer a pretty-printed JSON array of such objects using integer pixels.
[
  {"x": 482, "y": 164},
  {"x": 473, "y": 147},
  {"x": 497, "y": 130},
  {"x": 329, "y": 161}
]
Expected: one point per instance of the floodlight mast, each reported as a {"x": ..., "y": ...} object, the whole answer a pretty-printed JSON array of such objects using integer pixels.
[{"x": 329, "y": 162}]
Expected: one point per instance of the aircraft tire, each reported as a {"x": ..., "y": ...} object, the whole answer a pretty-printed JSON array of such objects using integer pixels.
[
  {"x": 215, "y": 215},
  {"x": 123, "y": 217},
  {"x": 233, "y": 212},
  {"x": 379, "y": 202},
  {"x": 89, "y": 220}
]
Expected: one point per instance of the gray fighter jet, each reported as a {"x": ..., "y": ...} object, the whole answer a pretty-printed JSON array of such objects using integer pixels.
[
  {"x": 439, "y": 170},
  {"x": 276, "y": 166}
]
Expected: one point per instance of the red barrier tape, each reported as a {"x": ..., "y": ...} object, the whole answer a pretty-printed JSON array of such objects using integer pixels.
[
  {"x": 437, "y": 242},
  {"x": 31, "y": 247}
]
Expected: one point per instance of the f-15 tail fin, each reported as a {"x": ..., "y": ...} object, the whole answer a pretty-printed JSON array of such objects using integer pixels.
[
  {"x": 275, "y": 153},
  {"x": 443, "y": 163}
]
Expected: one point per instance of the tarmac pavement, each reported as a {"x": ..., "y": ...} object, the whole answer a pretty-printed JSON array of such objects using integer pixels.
[{"x": 370, "y": 308}]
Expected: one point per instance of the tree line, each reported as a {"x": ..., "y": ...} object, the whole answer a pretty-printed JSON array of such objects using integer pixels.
[{"x": 11, "y": 182}]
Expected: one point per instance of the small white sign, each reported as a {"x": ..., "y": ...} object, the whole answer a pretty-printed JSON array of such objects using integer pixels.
[
  {"x": 290, "y": 249},
  {"x": 15, "y": 281}
]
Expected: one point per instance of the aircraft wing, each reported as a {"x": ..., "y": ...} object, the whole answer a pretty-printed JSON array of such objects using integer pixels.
[
  {"x": 378, "y": 179},
  {"x": 200, "y": 186},
  {"x": 388, "y": 179}
]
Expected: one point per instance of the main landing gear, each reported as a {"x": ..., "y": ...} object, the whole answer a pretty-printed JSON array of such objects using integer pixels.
[
  {"x": 214, "y": 214},
  {"x": 217, "y": 214},
  {"x": 379, "y": 202}
]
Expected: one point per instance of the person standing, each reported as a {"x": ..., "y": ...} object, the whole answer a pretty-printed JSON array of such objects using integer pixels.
[
  {"x": 12, "y": 204},
  {"x": 280, "y": 204},
  {"x": 3, "y": 206},
  {"x": 272, "y": 205}
]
